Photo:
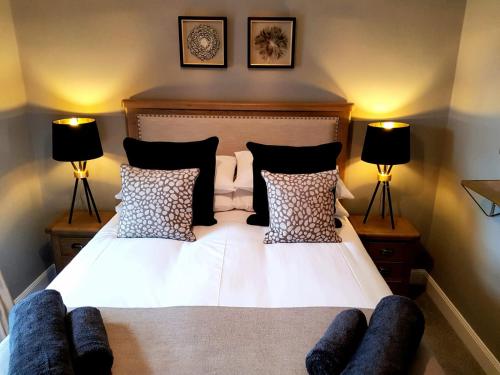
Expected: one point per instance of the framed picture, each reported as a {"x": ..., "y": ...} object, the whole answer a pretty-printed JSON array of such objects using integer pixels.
[
  {"x": 271, "y": 42},
  {"x": 203, "y": 42}
]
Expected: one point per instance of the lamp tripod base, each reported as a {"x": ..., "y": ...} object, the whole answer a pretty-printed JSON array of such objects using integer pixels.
[
  {"x": 80, "y": 172},
  {"x": 384, "y": 178}
]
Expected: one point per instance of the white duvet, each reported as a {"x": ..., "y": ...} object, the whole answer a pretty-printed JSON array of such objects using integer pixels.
[{"x": 228, "y": 265}]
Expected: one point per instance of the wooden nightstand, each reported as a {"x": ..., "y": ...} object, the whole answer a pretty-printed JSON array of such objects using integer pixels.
[
  {"x": 68, "y": 239},
  {"x": 393, "y": 250}
]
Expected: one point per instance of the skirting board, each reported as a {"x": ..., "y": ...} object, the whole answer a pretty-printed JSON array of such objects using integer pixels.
[
  {"x": 41, "y": 282},
  {"x": 462, "y": 328}
]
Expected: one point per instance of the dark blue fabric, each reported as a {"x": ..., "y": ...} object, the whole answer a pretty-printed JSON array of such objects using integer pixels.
[
  {"x": 332, "y": 352},
  {"x": 391, "y": 340},
  {"x": 38, "y": 342},
  {"x": 89, "y": 342}
]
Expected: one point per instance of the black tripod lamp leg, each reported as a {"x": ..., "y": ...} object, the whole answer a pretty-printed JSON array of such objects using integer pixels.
[
  {"x": 390, "y": 204},
  {"x": 87, "y": 198},
  {"x": 371, "y": 202},
  {"x": 383, "y": 199},
  {"x": 73, "y": 201},
  {"x": 86, "y": 183}
]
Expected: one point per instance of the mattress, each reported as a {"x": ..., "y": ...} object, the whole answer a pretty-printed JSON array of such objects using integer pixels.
[{"x": 228, "y": 265}]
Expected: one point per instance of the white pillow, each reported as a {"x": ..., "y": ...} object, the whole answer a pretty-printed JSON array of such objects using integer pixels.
[
  {"x": 340, "y": 211},
  {"x": 223, "y": 202},
  {"x": 342, "y": 190},
  {"x": 243, "y": 200},
  {"x": 244, "y": 171},
  {"x": 225, "y": 167},
  {"x": 119, "y": 195}
]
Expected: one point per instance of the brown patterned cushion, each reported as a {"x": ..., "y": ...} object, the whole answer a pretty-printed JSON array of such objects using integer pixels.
[
  {"x": 157, "y": 203},
  {"x": 301, "y": 207}
]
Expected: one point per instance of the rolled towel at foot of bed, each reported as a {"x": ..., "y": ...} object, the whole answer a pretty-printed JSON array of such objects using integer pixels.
[
  {"x": 89, "y": 342},
  {"x": 38, "y": 342},
  {"x": 391, "y": 340},
  {"x": 332, "y": 352}
]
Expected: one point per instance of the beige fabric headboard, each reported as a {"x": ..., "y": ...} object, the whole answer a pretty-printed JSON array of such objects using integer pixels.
[{"x": 294, "y": 124}]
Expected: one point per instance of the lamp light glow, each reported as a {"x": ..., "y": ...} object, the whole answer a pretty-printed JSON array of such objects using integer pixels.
[{"x": 74, "y": 121}]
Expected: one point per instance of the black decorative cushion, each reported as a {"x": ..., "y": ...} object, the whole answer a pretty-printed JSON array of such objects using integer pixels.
[
  {"x": 157, "y": 203},
  {"x": 301, "y": 207},
  {"x": 181, "y": 155},
  {"x": 286, "y": 159}
]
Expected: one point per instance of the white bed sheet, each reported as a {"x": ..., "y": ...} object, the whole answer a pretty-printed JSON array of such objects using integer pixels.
[{"x": 227, "y": 266}]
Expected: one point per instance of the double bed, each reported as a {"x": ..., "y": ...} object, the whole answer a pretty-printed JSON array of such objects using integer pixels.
[{"x": 228, "y": 278}]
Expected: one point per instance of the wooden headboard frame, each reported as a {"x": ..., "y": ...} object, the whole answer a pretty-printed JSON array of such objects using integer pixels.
[{"x": 134, "y": 108}]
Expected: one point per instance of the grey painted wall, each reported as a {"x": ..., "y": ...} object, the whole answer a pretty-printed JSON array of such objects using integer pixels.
[
  {"x": 22, "y": 240},
  {"x": 464, "y": 242}
]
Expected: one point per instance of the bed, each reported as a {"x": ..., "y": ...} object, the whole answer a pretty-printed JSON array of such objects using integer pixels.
[{"x": 228, "y": 277}]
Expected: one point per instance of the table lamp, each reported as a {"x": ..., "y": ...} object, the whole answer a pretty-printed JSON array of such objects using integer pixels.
[
  {"x": 386, "y": 144},
  {"x": 76, "y": 140}
]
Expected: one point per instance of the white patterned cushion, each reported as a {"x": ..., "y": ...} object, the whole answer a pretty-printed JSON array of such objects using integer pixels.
[
  {"x": 157, "y": 203},
  {"x": 301, "y": 207}
]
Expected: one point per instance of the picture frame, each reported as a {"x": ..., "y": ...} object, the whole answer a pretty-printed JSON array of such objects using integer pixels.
[
  {"x": 271, "y": 42},
  {"x": 203, "y": 42}
]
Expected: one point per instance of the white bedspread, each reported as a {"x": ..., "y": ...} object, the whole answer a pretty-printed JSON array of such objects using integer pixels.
[{"x": 227, "y": 266}]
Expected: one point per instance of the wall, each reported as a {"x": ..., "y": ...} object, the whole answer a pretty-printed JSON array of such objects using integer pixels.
[
  {"x": 21, "y": 229},
  {"x": 464, "y": 242},
  {"x": 392, "y": 59}
]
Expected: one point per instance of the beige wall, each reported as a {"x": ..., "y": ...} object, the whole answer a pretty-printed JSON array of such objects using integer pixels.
[
  {"x": 464, "y": 242},
  {"x": 21, "y": 227},
  {"x": 392, "y": 59}
]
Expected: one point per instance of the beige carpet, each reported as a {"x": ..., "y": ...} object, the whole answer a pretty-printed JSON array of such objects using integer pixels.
[{"x": 449, "y": 350}]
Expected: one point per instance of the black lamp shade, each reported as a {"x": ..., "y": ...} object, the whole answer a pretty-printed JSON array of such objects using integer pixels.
[
  {"x": 387, "y": 143},
  {"x": 75, "y": 139}
]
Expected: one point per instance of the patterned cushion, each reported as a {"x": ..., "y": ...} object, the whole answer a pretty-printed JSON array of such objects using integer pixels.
[
  {"x": 157, "y": 203},
  {"x": 301, "y": 207}
]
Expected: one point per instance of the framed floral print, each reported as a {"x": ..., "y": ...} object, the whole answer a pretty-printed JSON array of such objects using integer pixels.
[
  {"x": 203, "y": 42},
  {"x": 271, "y": 42}
]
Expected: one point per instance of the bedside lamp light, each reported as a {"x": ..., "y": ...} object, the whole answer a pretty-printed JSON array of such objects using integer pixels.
[
  {"x": 76, "y": 140},
  {"x": 386, "y": 144}
]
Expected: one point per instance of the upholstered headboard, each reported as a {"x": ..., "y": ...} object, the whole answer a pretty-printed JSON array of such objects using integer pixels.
[{"x": 294, "y": 124}]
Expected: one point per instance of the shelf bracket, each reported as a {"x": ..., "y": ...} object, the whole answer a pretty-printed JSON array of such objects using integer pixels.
[{"x": 489, "y": 189}]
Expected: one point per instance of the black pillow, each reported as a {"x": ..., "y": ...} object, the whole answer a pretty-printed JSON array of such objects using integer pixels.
[
  {"x": 180, "y": 155},
  {"x": 286, "y": 159}
]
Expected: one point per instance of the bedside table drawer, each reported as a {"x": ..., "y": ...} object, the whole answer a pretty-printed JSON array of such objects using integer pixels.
[
  {"x": 392, "y": 271},
  {"x": 70, "y": 246},
  {"x": 390, "y": 251}
]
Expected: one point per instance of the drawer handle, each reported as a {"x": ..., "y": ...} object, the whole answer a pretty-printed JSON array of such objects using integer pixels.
[
  {"x": 384, "y": 271},
  {"x": 76, "y": 246},
  {"x": 386, "y": 251}
]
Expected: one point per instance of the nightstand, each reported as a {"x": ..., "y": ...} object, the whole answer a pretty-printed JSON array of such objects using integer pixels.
[
  {"x": 68, "y": 239},
  {"x": 393, "y": 250}
]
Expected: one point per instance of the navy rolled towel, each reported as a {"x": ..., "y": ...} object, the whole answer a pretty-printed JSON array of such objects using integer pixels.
[
  {"x": 89, "y": 342},
  {"x": 332, "y": 352},
  {"x": 38, "y": 342},
  {"x": 391, "y": 340}
]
